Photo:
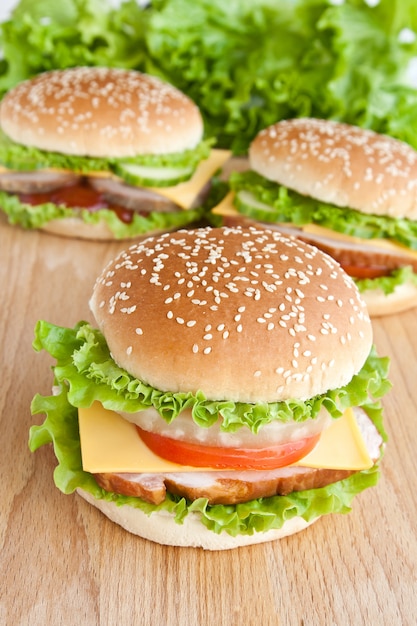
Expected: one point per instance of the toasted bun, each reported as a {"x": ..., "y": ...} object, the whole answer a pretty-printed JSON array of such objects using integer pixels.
[
  {"x": 339, "y": 164},
  {"x": 246, "y": 315},
  {"x": 403, "y": 298},
  {"x": 76, "y": 228},
  {"x": 100, "y": 112},
  {"x": 162, "y": 528}
]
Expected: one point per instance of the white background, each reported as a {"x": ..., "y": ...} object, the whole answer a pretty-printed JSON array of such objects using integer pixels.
[{"x": 5, "y": 7}]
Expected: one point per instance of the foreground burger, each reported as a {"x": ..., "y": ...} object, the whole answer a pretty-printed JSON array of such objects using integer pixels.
[
  {"x": 345, "y": 189},
  {"x": 231, "y": 395},
  {"x": 102, "y": 153}
]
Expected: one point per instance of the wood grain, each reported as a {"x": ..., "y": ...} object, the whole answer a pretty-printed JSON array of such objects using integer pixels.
[{"x": 63, "y": 563}]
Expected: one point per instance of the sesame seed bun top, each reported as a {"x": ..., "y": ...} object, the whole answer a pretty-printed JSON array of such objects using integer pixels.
[
  {"x": 100, "y": 112},
  {"x": 340, "y": 164},
  {"x": 247, "y": 315}
]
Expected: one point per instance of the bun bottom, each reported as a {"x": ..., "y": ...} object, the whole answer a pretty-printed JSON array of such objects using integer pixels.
[
  {"x": 403, "y": 298},
  {"x": 76, "y": 228},
  {"x": 161, "y": 527}
]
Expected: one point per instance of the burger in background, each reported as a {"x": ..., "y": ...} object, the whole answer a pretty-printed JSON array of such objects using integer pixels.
[
  {"x": 230, "y": 395},
  {"x": 349, "y": 191},
  {"x": 103, "y": 153}
]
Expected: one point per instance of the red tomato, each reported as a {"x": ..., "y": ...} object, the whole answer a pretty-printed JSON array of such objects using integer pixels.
[
  {"x": 361, "y": 271},
  {"x": 198, "y": 455}
]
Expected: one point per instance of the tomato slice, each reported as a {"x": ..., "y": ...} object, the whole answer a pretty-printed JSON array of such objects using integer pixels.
[
  {"x": 362, "y": 271},
  {"x": 198, "y": 455}
]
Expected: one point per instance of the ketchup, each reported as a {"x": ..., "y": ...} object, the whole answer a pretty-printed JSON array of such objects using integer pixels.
[
  {"x": 81, "y": 196},
  {"x": 361, "y": 271}
]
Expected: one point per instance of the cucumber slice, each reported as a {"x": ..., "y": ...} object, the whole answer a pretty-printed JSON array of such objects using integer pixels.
[
  {"x": 246, "y": 200},
  {"x": 152, "y": 176}
]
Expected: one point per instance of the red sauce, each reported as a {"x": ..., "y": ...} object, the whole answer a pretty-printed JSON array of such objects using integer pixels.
[
  {"x": 361, "y": 271},
  {"x": 78, "y": 196}
]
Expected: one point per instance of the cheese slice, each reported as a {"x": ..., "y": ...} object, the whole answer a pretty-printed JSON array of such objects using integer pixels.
[
  {"x": 185, "y": 193},
  {"x": 391, "y": 246},
  {"x": 341, "y": 446},
  {"x": 227, "y": 208},
  {"x": 110, "y": 443}
]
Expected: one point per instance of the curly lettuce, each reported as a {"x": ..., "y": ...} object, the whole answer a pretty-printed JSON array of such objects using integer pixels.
[
  {"x": 86, "y": 368},
  {"x": 246, "y": 64},
  {"x": 35, "y": 216},
  {"x": 388, "y": 284},
  {"x": 17, "y": 156},
  {"x": 85, "y": 372},
  {"x": 280, "y": 204},
  {"x": 46, "y": 34}
]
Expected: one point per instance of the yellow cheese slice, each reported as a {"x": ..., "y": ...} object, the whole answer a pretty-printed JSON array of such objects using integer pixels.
[
  {"x": 110, "y": 443},
  {"x": 226, "y": 206},
  {"x": 397, "y": 248},
  {"x": 341, "y": 446}
]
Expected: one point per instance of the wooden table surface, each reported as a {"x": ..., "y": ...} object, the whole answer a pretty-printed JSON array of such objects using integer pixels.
[{"x": 62, "y": 562}]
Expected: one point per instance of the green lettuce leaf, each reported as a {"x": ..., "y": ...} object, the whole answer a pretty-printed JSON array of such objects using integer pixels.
[
  {"x": 285, "y": 205},
  {"x": 387, "y": 284},
  {"x": 16, "y": 156},
  {"x": 30, "y": 216},
  {"x": 246, "y": 64},
  {"x": 60, "y": 428},
  {"x": 257, "y": 63},
  {"x": 85, "y": 367},
  {"x": 46, "y": 34}
]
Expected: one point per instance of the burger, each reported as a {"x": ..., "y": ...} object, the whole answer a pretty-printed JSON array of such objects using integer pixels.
[
  {"x": 347, "y": 190},
  {"x": 102, "y": 153},
  {"x": 228, "y": 392}
]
